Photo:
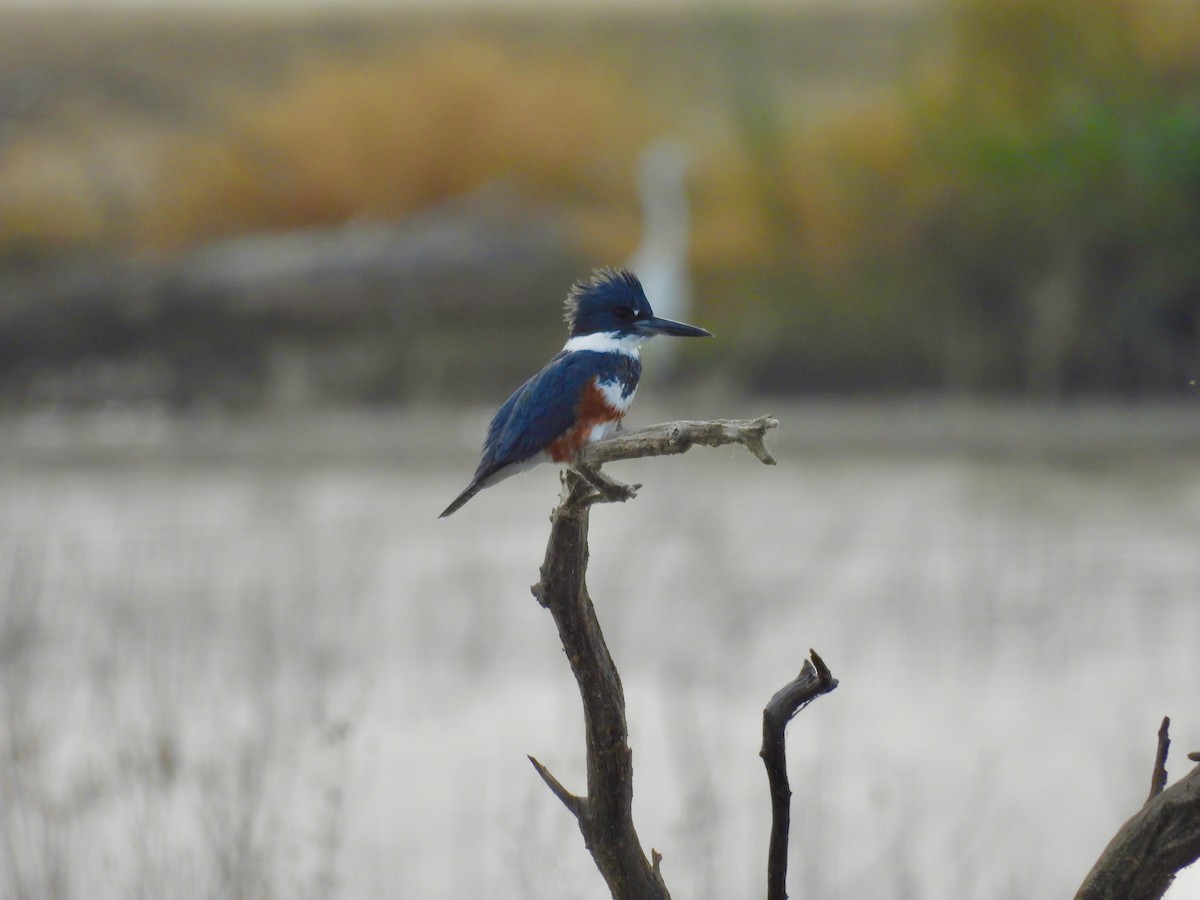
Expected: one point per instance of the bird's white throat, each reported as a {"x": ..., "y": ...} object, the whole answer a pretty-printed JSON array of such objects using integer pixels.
[{"x": 607, "y": 342}]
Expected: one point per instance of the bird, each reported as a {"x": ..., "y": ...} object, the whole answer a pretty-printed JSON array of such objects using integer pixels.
[
  {"x": 581, "y": 395},
  {"x": 661, "y": 257}
]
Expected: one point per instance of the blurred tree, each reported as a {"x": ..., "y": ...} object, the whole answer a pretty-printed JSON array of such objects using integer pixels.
[
  {"x": 1018, "y": 213},
  {"x": 1033, "y": 202}
]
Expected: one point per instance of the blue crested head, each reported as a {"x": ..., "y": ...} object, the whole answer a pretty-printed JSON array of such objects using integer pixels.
[{"x": 612, "y": 302}]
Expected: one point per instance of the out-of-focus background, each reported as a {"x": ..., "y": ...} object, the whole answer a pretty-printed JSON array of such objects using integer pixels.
[{"x": 264, "y": 274}]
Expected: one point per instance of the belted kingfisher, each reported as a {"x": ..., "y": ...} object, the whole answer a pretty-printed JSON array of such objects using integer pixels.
[{"x": 582, "y": 394}]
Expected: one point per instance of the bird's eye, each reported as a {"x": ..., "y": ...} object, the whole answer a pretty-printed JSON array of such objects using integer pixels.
[{"x": 623, "y": 312}]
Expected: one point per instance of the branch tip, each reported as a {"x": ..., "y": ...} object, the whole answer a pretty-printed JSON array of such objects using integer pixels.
[
  {"x": 822, "y": 670},
  {"x": 814, "y": 680},
  {"x": 569, "y": 800},
  {"x": 1158, "y": 778},
  {"x": 756, "y": 445}
]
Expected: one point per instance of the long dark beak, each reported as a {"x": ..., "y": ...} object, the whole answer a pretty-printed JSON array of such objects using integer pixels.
[{"x": 655, "y": 325}]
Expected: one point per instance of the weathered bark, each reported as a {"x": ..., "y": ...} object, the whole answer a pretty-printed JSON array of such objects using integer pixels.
[
  {"x": 1161, "y": 838},
  {"x": 679, "y": 437},
  {"x": 605, "y": 814}
]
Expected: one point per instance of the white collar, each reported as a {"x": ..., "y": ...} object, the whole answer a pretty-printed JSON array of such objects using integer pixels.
[{"x": 607, "y": 342}]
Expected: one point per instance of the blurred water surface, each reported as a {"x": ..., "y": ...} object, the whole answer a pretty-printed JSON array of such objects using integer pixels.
[{"x": 248, "y": 661}]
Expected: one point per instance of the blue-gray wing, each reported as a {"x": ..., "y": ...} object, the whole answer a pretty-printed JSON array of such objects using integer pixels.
[{"x": 546, "y": 405}]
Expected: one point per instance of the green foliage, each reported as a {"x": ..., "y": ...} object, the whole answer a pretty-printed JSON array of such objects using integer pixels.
[{"x": 1032, "y": 199}]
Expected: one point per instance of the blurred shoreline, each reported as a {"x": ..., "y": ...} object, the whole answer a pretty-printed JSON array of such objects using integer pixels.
[
  {"x": 214, "y": 215},
  {"x": 427, "y": 435}
]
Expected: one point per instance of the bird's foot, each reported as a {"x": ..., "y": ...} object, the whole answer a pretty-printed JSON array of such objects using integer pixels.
[{"x": 607, "y": 490}]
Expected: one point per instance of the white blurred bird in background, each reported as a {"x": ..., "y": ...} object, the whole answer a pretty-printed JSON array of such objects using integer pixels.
[{"x": 661, "y": 258}]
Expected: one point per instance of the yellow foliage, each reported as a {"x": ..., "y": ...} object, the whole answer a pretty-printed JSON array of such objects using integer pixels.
[
  {"x": 1166, "y": 34},
  {"x": 49, "y": 198},
  {"x": 730, "y": 229},
  {"x": 384, "y": 136}
]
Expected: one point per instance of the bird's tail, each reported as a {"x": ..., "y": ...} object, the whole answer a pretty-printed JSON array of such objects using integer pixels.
[{"x": 472, "y": 489}]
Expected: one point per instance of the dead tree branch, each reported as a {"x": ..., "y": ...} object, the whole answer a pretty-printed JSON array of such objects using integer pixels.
[
  {"x": 1161, "y": 838},
  {"x": 814, "y": 680},
  {"x": 679, "y": 437},
  {"x": 605, "y": 813}
]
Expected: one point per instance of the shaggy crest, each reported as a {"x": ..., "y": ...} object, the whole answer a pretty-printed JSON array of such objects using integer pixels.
[{"x": 606, "y": 288}]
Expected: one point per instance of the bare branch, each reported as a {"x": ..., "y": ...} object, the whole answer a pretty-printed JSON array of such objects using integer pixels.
[
  {"x": 605, "y": 815},
  {"x": 814, "y": 680},
  {"x": 679, "y": 437},
  {"x": 1163, "y": 837}
]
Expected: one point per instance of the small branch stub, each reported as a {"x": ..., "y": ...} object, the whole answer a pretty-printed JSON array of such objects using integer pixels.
[{"x": 570, "y": 801}]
